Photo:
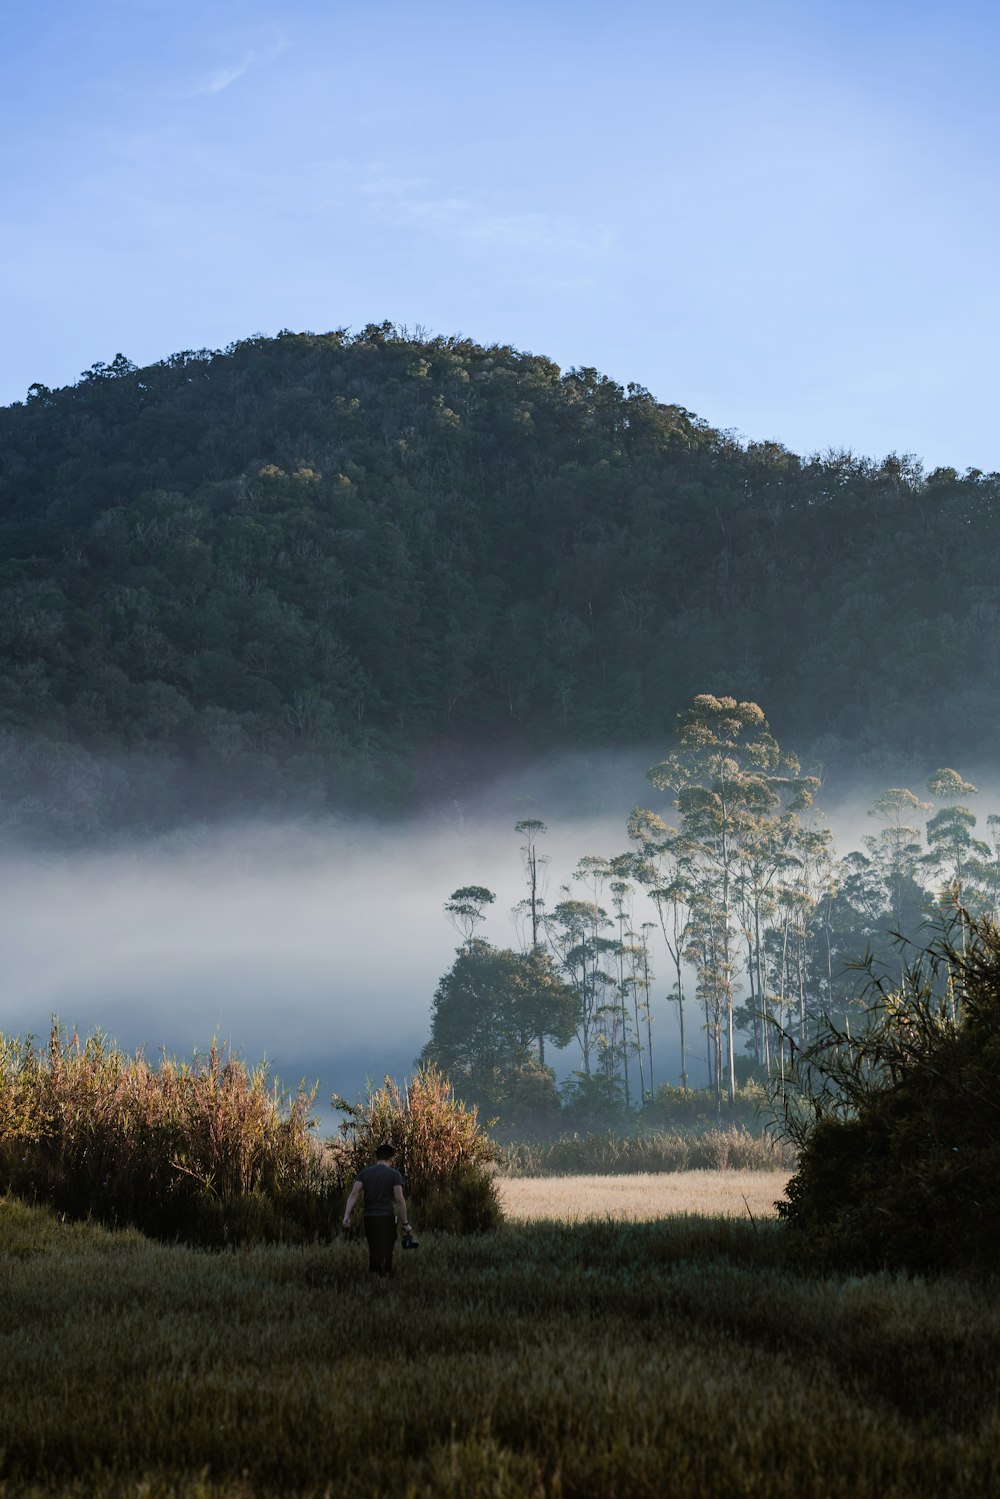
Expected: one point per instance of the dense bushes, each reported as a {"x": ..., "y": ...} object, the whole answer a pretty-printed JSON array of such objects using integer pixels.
[
  {"x": 441, "y": 1149},
  {"x": 210, "y": 1151},
  {"x": 899, "y": 1126}
]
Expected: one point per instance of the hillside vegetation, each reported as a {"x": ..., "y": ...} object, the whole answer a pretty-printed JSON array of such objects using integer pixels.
[{"x": 329, "y": 569}]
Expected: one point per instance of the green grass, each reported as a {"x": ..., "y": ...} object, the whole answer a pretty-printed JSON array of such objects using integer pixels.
[{"x": 682, "y": 1358}]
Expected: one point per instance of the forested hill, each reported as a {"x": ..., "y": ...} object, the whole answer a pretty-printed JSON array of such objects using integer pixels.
[{"x": 323, "y": 565}]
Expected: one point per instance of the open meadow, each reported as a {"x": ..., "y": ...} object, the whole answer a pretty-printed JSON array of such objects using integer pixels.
[
  {"x": 642, "y": 1196},
  {"x": 676, "y": 1358}
]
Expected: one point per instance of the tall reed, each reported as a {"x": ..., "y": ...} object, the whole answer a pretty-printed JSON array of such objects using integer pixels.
[
  {"x": 441, "y": 1149},
  {"x": 210, "y": 1149}
]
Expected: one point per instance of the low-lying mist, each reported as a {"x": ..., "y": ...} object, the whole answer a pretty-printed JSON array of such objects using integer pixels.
[
  {"x": 314, "y": 943},
  {"x": 317, "y": 945}
]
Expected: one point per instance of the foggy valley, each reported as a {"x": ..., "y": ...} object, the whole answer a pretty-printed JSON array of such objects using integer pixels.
[{"x": 317, "y": 943}]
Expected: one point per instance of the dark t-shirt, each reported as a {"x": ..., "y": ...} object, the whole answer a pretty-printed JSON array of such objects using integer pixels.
[{"x": 378, "y": 1182}]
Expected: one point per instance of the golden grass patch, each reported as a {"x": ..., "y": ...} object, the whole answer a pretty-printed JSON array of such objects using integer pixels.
[{"x": 643, "y": 1197}]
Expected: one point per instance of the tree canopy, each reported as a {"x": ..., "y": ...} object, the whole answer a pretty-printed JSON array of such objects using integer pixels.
[{"x": 331, "y": 568}]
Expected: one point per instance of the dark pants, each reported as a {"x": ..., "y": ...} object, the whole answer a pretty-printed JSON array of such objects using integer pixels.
[{"x": 381, "y": 1236}]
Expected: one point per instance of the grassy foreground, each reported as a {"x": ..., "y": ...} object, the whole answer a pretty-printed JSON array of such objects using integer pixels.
[{"x": 668, "y": 1359}]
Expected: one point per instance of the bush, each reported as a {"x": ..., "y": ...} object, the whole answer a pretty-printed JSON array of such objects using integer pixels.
[
  {"x": 899, "y": 1126},
  {"x": 209, "y": 1151},
  {"x": 442, "y": 1151}
]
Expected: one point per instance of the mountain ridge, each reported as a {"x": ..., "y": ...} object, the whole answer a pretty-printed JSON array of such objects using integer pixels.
[{"x": 301, "y": 569}]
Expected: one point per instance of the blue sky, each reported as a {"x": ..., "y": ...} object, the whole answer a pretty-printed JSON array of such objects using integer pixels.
[{"x": 783, "y": 216}]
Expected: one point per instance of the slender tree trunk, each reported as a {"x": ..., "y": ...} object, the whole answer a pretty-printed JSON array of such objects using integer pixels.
[
  {"x": 533, "y": 896},
  {"x": 680, "y": 1022},
  {"x": 675, "y": 950},
  {"x": 762, "y": 991},
  {"x": 638, "y": 1038},
  {"x": 755, "y": 1021},
  {"x": 624, "y": 1012}
]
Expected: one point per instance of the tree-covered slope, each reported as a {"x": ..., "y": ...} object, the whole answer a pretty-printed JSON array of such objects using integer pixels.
[{"x": 321, "y": 561}]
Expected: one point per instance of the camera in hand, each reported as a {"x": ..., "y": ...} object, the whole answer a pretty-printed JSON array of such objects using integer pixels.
[{"x": 409, "y": 1242}]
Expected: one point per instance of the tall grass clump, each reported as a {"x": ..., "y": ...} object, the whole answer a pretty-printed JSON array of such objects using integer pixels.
[
  {"x": 612, "y": 1154},
  {"x": 899, "y": 1124},
  {"x": 441, "y": 1149},
  {"x": 211, "y": 1150}
]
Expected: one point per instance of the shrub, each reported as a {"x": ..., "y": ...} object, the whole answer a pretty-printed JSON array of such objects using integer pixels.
[
  {"x": 899, "y": 1125},
  {"x": 212, "y": 1151},
  {"x": 441, "y": 1149}
]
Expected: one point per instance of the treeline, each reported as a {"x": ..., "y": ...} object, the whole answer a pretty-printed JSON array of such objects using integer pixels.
[
  {"x": 328, "y": 569},
  {"x": 732, "y": 912}
]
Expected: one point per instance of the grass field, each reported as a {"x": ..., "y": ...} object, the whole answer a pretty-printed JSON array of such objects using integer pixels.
[
  {"x": 643, "y": 1196},
  {"x": 661, "y": 1360}
]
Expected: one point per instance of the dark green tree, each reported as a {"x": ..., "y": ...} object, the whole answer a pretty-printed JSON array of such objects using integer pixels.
[{"x": 486, "y": 1013}]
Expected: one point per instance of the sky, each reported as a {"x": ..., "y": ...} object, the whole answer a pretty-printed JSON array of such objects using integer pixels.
[{"x": 782, "y": 216}]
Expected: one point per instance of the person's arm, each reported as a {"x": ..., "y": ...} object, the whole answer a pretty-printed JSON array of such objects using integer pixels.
[
  {"x": 356, "y": 1192},
  {"x": 400, "y": 1201}
]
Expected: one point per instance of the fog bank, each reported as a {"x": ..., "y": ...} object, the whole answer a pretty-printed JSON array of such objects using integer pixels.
[
  {"x": 319, "y": 948},
  {"x": 317, "y": 943}
]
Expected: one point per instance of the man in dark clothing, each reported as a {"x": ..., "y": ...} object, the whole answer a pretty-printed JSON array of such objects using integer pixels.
[{"x": 382, "y": 1186}]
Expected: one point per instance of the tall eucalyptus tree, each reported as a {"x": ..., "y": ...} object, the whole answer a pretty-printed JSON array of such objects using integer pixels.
[
  {"x": 738, "y": 798},
  {"x": 662, "y": 864},
  {"x": 533, "y": 905}
]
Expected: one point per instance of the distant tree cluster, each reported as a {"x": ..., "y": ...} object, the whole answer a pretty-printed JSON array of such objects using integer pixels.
[
  {"x": 322, "y": 568},
  {"x": 760, "y": 929}
]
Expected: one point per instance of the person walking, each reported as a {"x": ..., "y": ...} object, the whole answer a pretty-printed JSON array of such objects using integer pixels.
[{"x": 382, "y": 1186}]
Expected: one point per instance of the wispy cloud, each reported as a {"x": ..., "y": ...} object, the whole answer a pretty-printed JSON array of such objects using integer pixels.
[
  {"x": 480, "y": 220},
  {"x": 270, "y": 46},
  {"x": 223, "y": 78}
]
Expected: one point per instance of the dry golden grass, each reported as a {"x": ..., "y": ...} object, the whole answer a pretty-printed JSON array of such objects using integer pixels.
[{"x": 643, "y": 1197}]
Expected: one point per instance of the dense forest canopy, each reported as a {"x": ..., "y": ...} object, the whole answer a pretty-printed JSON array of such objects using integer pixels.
[{"x": 331, "y": 568}]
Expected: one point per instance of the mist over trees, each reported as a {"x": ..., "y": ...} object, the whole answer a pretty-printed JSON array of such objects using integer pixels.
[
  {"x": 344, "y": 570},
  {"x": 732, "y": 907}
]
